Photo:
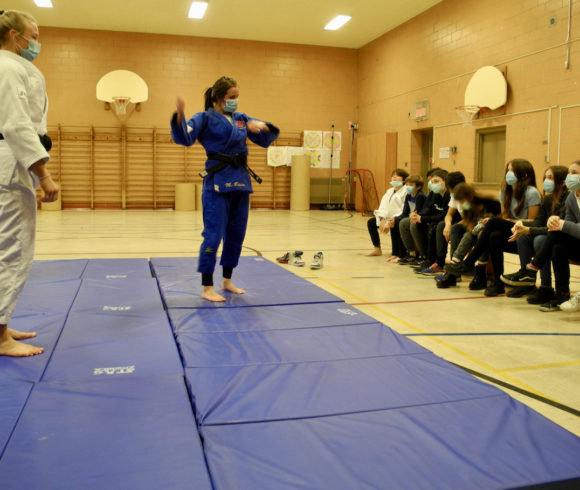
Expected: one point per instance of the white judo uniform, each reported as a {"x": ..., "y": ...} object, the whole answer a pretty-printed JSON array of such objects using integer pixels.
[{"x": 23, "y": 108}]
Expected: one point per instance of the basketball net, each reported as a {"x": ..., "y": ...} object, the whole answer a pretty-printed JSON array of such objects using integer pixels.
[
  {"x": 467, "y": 113},
  {"x": 120, "y": 104}
]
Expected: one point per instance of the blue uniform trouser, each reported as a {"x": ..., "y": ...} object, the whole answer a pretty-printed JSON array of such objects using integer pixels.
[{"x": 225, "y": 216}]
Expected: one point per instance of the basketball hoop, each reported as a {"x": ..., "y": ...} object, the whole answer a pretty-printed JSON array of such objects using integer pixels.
[
  {"x": 467, "y": 113},
  {"x": 120, "y": 104}
]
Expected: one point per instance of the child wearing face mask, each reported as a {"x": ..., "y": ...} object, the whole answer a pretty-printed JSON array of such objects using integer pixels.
[
  {"x": 520, "y": 200},
  {"x": 562, "y": 244},
  {"x": 227, "y": 186},
  {"x": 419, "y": 229},
  {"x": 443, "y": 230},
  {"x": 476, "y": 210},
  {"x": 414, "y": 200},
  {"x": 530, "y": 235},
  {"x": 383, "y": 220}
]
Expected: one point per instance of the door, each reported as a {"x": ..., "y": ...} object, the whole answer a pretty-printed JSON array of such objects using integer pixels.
[{"x": 490, "y": 165}]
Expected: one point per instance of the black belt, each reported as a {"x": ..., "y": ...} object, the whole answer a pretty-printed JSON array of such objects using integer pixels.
[
  {"x": 237, "y": 160},
  {"x": 45, "y": 141}
]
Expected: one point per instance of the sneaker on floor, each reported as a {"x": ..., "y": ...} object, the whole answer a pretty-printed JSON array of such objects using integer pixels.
[
  {"x": 456, "y": 268},
  {"x": 423, "y": 264},
  {"x": 554, "y": 304},
  {"x": 520, "y": 291},
  {"x": 523, "y": 277},
  {"x": 447, "y": 281},
  {"x": 284, "y": 259},
  {"x": 432, "y": 270},
  {"x": 317, "y": 261},
  {"x": 495, "y": 289},
  {"x": 297, "y": 259},
  {"x": 479, "y": 280},
  {"x": 541, "y": 295},
  {"x": 572, "y": 305},
  {"x": 439, "y": 277},
  {"x": 406, "y": 260}
]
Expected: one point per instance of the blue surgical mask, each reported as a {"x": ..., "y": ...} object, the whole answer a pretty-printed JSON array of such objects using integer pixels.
[
  {"x": 410, "y": 189},
  {"x": 33, "y": 50},
  {"x": 573, "y": 182},
  {"x": 466, "y": 206},
  {"x": 510, "y": 178},
  {"x": 548, "y": 185},
  {"x": 396, "y": 183},
  {"x": 437, "y": 188},
  {"x": 231, "y": 105},
  {"x": 430, "y": 186}
]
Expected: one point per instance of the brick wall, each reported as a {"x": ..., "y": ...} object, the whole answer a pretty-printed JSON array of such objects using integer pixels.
[{"x": 434, "y": 55}]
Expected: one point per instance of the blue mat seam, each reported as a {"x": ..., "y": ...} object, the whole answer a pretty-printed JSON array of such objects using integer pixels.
[{"x": 374, "y": 410}]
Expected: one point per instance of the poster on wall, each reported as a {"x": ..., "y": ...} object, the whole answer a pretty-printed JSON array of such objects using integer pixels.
[
  {"x": 312, "y": 140},
  {"x": 277, "y": 156},
  {"x": 321, "y": 159},
  {"x": 332, "y": 138},
  {"x": 293, "y": 150}
]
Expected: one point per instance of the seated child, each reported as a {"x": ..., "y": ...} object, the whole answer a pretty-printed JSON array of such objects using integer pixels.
[{"x": 391, "y": 205}]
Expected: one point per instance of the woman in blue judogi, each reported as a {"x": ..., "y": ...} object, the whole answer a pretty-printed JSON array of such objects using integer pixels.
[{"x": 227, "y": 185}]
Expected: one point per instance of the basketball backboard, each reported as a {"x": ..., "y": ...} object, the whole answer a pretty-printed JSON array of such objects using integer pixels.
[
  {"x": 487, "y": 88},
  {"x": 122, "y": 83}
]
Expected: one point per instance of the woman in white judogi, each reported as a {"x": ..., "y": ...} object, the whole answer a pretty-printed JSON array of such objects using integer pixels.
[{"x": 23, "y": 106}]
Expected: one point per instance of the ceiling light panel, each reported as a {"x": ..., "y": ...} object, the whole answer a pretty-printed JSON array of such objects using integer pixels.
[
  {"x": 337, "y": 22},
  {"x": 197, "y": 10}
]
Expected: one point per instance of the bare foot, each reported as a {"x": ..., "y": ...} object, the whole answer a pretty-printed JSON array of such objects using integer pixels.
[
  {"x": 210, "y": 294},
  {"x": 17, "y": 335},
  {"x": 375, "y": 253},
  {"x": 228, "y": 286},
  {"x": 12, "y": 348},
  {"x": 393, "y": 259}
]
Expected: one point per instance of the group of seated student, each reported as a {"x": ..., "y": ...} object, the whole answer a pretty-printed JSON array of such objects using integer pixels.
[{"x": 543, "y": 229}]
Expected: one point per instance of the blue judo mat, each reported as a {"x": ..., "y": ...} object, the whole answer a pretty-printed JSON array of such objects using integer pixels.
[
  {"x": 289, "y": 386},
  {"x": 266, "y": 284}
]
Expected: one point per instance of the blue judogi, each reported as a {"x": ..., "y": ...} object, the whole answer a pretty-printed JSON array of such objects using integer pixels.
[{"x": 226, "y": 194}]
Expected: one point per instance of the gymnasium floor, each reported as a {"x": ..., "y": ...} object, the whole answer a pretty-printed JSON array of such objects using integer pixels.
[{"x": 537, "y": 355}]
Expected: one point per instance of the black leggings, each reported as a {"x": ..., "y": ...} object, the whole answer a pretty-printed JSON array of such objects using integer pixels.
[
  {"x": 494, "y": 239},
  {"x": 560, "y": 248},
  {"x": 396, "y": 242}
]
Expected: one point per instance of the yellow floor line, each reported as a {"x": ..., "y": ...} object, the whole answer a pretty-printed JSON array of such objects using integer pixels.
[
  {"x": 446, "y": 345},
  {"x": 542, "y": 366}
]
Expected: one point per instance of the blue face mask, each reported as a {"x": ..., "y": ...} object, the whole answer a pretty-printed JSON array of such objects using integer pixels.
[
  {"x": 396, "y": 183},
  {"x": 33, "y": 50},
  {"x": 231, "y": 105},
  {"x": 548, "y": 185},
  {"x": 430, "y": 186},
  {"x": 573, "y": 182},
  {"x": 410, "y": 189},
  {"x": 510, "y": 178},
  {"x": 436, "y": 188}
]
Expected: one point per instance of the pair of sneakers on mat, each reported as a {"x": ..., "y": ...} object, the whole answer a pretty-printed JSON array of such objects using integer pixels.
[{"x": 295, "y": 258}]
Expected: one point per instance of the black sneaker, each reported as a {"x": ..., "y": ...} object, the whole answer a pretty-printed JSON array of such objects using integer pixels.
[
  {"x": 554, "y": 304},
  {"x": 479, "y": 280},
  {"x": 523, "y": 277},
  {"x": 420, "y": 264},
  {"x": 447, "y": 281},
  {"x": 406, "y": 260},
  {"x": 495, "y": 289},
  {"x": 456, "y": 268},
  {"x": 541, "y": 295},
  {"x": 520, "y": 291}
]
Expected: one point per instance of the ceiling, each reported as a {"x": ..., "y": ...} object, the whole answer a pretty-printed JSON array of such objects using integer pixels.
[{"x": 284, "y": 21}]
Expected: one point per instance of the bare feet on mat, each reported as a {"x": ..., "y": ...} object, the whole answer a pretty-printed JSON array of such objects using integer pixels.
[
  {"x": 12, "y": 348},
  {"x": 17, "y": 335},
  {"x": 375, "y": 253},
  {"x": 228, "y": 286},
  {"x": 210, "y": 294}
]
